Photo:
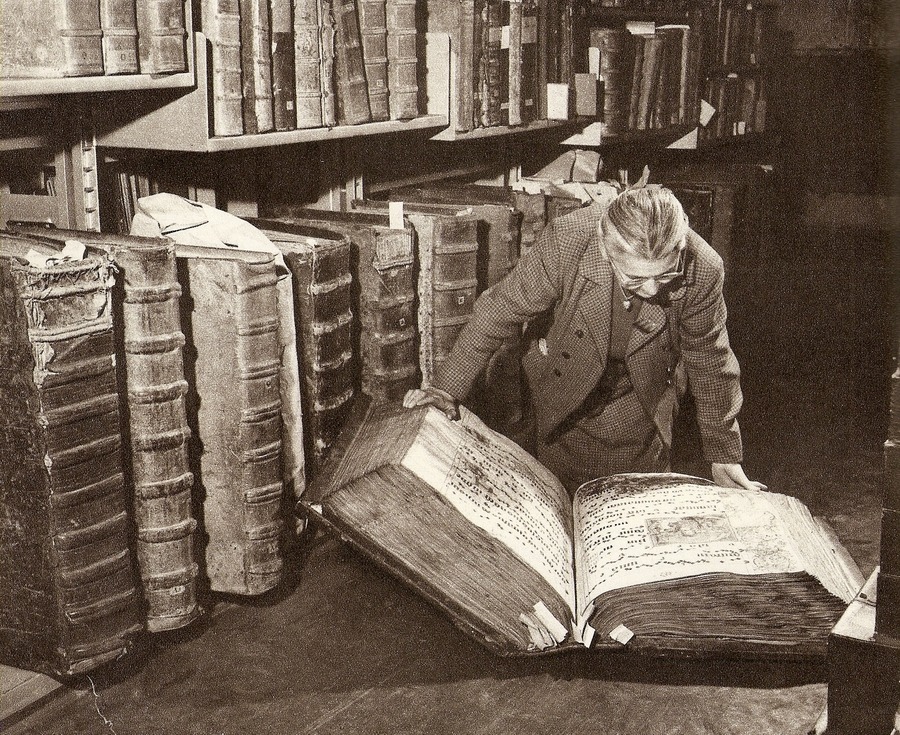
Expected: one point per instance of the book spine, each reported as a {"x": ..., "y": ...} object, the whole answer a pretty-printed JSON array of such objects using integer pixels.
[
  {"x": 159, "y": 434},
  {"x": 81, "y": 34},
  {"x": 387, "y": 313},
  {"x": 566, "y": 31},
  {"x": 616, "y": 59},
  {"x": 284, "y": 91},
  {"x": 118, "y": 23},
  {"x": 492, "y": 72},
  {"x": 256, "y": 66},
  {"x": 534, "y": 217},
  {"x": 514, "y": 67},
  {"x": 161, "y": 36},
  {"x": 321, "y": 276},
  {"x": 464, "y": 67},
  {"x": 637, "y": 76},
  {"x": 237, "y": 407},
  {"x": 221, "y": 22},
  {"x": 373, "y": 31},
  {"x": 530, "y": 100},
  {"x": 649, "y": 81},
  {"x": 543, "y": 51},
  {"x": 308, "y": 64},
  {"x": 69, "y": 601},
  {"x": 403, "y": 66},
  {"x": 349, "y": 68},
  {"x": 327, "y": 72},
  {"x": 448, "y": 253},
  {"x": 478, "y": 73}
]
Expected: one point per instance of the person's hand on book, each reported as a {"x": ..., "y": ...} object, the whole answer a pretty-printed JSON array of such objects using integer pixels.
[
  {"x": 733, "y": 475},
  {"x": 432, "y": 396}
]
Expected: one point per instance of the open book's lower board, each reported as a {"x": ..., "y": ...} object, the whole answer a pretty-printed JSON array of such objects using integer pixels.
[{"x": 393, "y": 489}]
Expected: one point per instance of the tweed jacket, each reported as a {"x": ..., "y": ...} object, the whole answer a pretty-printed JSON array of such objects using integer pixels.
[{"x": 684, "y": 342}]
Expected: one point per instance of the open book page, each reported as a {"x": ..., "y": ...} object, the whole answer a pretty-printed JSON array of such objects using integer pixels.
[
  {"x": 500, "y": 488},
  {"x": 634, "y": 529}
]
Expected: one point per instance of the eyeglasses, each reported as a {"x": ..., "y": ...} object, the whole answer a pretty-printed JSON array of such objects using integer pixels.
[{"x": 633, "y": 283}]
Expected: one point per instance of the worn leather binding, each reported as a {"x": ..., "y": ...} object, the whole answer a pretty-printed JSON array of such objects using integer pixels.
[
  {"x": 327, "y": 73},
  {"x": 284, "y": 91},
  {"x": 373, "y": 31},
  {"x": 491, "y": 72},
  {"x": 402, "y": 59},
  {"x": 617, "y": 69},
  {"x": 349, "y": 67},
  {"x": 221, "y": 23},
  {"x": 68, "y": 601},
  {"x": 81, "y": 34},
  {"x": 447, "y": 255},
  {"x": 119, "y": 40},
  {"x": 382, "y": 264},
  {"x": 158, "y": 431},
  {"x": 530, "y": 92},
  {"x": 235, "y": 406},
  {"x": 319, "y": 261},
  {"x": 161, "y": 36},
  {"x": 308, "y": 63},
  {"x": 514, "y": 64},
  {"x": 256, "y": 66}
]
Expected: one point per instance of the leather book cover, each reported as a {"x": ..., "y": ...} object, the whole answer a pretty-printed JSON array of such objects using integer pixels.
[
  {"x": 233, "y": 361},
  {"x": 402, "y": 55},
  {"x": 319, "y": 262},
  {"x": 384, "y": 292},
  {"x": 530, "y": 85},
  {"x": 328, "y": 30},
  {"x": 119, "y": 25},
  {"x": 492, "y": 81},
  {"x": 81, "y": 33},
  {"x": 161, "y": 36},
  {"x": 308, "y": 63},
  {"x": 221, "y": 23},
  {"x": 256, "y": 66},
  {"x": 284, "y": 108},
  {"x": 349, "y": 67},
  {"x": 447, "y": 258},
  {"x": 465, "y": 67},
  {"x": 374, "y": 34},
  {"x": 513, "y": 65},
  {"x": 68, "y": 596}
]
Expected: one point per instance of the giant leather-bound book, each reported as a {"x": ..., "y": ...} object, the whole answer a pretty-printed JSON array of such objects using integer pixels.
[
  {"x": 319, "y": 261},
  {"x": 68, "y": 598},
  {"x": 384, "y": 292},
  {"x": 660, "y": 564}
]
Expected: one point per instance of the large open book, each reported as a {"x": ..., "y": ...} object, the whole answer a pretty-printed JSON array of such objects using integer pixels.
[{"x": 660, "y": 563}]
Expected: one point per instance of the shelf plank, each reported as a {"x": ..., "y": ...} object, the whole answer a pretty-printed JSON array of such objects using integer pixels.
[
  {"x": 21, "y": 689},
  {"x": 501, "y": 130}
]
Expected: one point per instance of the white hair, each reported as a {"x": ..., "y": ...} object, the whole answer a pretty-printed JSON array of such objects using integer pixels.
[{"x": 649, "y": 220}]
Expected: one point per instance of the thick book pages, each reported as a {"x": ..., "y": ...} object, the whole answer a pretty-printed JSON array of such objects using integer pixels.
[
  {"x": 284, "y": 112},
  {"x": 161, "y": 36},
  {"x": 319, "y": 262},
  {"x": 256, "y": 66},
  {"x": 221, "y": 23},
  {"x": 402, "y": 55},
  {"x": 373, "y": 30},
  {"x": 234, "y": 404},
  {"x": 68, "y": 600},
  {"x": 119, "y": 26},
  {"x": 349, "y": 67},
  {"x": 384, "y": 291},
  {"x": 157, "y": 428},
  {"x": 308, "y": 63},
  {"x": 663, "y": 564},
  {"x": 447, "y": 254}
]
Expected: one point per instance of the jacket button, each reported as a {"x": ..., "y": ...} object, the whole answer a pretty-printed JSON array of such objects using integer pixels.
[
  {"x": 557, "y": 372},
  {"x": 566, "y": 355},
  {"x": 579, "y": 333}
]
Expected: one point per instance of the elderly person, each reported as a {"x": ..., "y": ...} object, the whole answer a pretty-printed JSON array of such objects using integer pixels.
[{"x": 637, "y": 317}]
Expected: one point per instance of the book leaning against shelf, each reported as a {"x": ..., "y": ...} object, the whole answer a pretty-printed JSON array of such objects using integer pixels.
[{"x": 660, "y": 562}]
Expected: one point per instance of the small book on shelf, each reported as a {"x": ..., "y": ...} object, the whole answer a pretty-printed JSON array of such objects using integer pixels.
[
  {"x": 220, "y": 21},
  {"x": 351, "y": 88},
  {"x": 284, "y": 90},
  {"x": 161, "y": 36},
  {"x": 374, "y": 32},
  {"x": 402, "y": 59},
  {"x": 118, "y": 23},
  {"x": 661, "y": 564},
  {"x": 68, "y": 595},
  {"x": 308, "y": 30},
  {"x": 256, "y": 66}
]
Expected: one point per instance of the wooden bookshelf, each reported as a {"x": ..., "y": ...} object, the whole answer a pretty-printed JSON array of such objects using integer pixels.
[{"x": 181, "y": 121}]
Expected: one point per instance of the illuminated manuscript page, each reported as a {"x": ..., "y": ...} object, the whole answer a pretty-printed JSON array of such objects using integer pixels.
[
  {"x": 500, "y": 488},
  {"x": 630, "y": 531}
]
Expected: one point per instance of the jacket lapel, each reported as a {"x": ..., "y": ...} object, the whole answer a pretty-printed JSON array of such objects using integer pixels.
[{"x": 595, "y": 302}]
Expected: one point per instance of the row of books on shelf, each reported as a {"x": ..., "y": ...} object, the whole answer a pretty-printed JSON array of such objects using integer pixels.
[
  {"x": 289, "y": 64},
  {"x": 168, "y": 397},
  {"x": 740, "y": 107},
  {"x": 506, "y": 55},
  {"x": 72, "y": 38}
]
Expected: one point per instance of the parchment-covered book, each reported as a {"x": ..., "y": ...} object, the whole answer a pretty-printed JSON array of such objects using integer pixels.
[
  {"x": 161, "y": 36},
  {"x": 119, "y": 27},
  {"x": 403, "y": 61},
  {"x": 657, "y": 563},
  {"x": 374, "y": 34},
  {"x": 256, "y": 66},
  {"x": 68, "y": 595},
  {"x": 220, "y": 21}
]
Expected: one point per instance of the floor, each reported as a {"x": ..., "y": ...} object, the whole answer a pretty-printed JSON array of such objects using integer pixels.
[{"x": 341, "y": 648}]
